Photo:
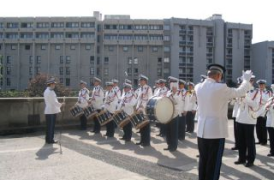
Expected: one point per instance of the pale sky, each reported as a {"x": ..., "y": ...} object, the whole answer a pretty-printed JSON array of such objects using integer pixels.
[{"x": 259, "y": 13}]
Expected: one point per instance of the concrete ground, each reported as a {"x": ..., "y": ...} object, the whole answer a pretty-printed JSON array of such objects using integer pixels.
[{"x": 88, "y": 156}]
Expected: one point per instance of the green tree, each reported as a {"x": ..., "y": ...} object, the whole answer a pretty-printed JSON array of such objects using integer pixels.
[{"x": 38, "y": 85}]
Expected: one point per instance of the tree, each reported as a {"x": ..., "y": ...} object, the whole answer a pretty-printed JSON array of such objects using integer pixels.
[{"x": 38, "y": 85}]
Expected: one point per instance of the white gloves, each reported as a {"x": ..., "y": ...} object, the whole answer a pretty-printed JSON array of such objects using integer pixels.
[{"x": 247, "y": 75}]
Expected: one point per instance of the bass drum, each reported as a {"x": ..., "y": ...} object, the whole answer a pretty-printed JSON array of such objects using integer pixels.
[{"x": 160, "y": 108}]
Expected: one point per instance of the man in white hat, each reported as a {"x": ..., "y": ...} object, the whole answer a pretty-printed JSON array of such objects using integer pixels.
[
  {"x": 190, "y": 107},
  {"x": 212, "y": 98},
  {"x": 51, "y": 110},
  {"x": 97, "y": 100},
  {"x": 116, "y": 88},
  {"x": 83, "y": 98},
  {"x": 182, "y": 117}
]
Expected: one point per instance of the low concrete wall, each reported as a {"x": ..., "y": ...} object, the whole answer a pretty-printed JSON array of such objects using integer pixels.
[{"x": 19, "y": 113}]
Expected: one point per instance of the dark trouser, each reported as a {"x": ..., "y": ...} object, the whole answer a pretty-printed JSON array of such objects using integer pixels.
[
  {"x": 247, "y": 149},
  {"x": 181, "y": 127},
  {"x": 210, "y": 160},
  {"x": 163, "y": 129},
  {"x": 235, "y": 132},
  {"x": 190, "y": 121},
  {"x": 261, "y": 130},
  {"x": 172, "y": 134},
  {"x": 97, "y": 126},
  {"x": 271, "y": 138},
  {"x": 50, "y": 122},
  {"x": 127, "y": 131},
  {"x": 110, "y": 128},
  {"x": 145, "y": 134},
  {"x": 83, "y": 122}
]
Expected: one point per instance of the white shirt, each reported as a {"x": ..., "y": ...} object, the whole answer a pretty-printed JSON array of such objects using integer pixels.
[
  {"x": 111, "y": 101},
  {"x": 127, "y": 103},
  {"x": 212, "y": 98},
  {"x": 52, "y": 104},
  {"x": 97, "y": 97},
  {"x": 83, "y": 97},
  {"x": 145, "y": 93},
  {"x": 182, "y": 95},
  {"x": 190, "y": 102}
]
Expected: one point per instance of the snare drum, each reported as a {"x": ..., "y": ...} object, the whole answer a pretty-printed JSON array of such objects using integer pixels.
[
  {"x": 160, "y": 108},
  {"x": 138, "y": 120},
  {"x": 121, "y": 118},
  {"x": 76, "y": 111},
  {"x": 89, "y": 111},
  {"x": 104, "y": 117}
]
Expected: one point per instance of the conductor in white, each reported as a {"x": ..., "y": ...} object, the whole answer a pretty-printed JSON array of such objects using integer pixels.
[{"x": 212, "y": 98}]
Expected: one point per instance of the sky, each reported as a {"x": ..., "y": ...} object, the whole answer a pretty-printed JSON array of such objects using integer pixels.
[{"x": 258, "y": 13}]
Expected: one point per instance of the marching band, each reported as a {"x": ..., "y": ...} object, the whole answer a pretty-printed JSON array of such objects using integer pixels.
[{"x": 126, "y": 108}]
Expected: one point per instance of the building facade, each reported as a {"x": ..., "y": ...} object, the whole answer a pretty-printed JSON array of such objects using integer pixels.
[
  {"x": 262, "y": 62},
  {"x": 74, "y": 48}
]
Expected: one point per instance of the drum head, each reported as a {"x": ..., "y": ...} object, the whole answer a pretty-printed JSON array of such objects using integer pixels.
[{"x": 164, "y": 110}]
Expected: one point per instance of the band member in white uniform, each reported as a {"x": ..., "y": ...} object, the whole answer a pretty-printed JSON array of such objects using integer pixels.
[
  {"x": 157, "y": 88},
  {"x": 270, "y": 122},
  {"x": 51, "y": 110},
  {"x": 127, "y": 105},
  {"x": 83, "y": 98},
  {"x": 182, "y": 117},
  {"x": 190, "y": 107},
  {"x": 264, "y": 95},
  {"x": 172, "y": 126},
  {"x": 145, "y": 93},
  {"x": 245, "y": 127},
  {"x": 116, "y": 88},
  {"x": 212, "y": 99},
  {"x": 97, "y": 100},
  {"x": 235, "y": 103},
  {"x": 162, "y": 92},
  {"x": 110, "y": 104}
]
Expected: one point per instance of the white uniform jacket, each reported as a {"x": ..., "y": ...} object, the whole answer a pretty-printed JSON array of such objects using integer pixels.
[
  {"x": 263, "y": 96},
  {"x": 111, "y": 101},
  {"x": 270, "y": 115},
  {"x": 117, "y": 91},
  {"x": 235, "y": 103},
  {"x": 212, "y": 98},
  {"x": 176, "y": 99},
  {"x": 97, "y": 97},
  {"x": 182, "y": 95},
  {"x": 145, "y": 93},
  {"x": 156, "y": 91},
  {"x": 127, "y": 103},
  {"x": 83, "y": 98},
  {"x": 52, "y": 104},
  {"x": 162, "y": 92},
  {"x": 246, "y": 104},
  {"x": 190, "y": 101}
]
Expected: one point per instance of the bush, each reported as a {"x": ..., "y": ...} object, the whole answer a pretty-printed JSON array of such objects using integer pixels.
[{"x": 38, "y": 85}]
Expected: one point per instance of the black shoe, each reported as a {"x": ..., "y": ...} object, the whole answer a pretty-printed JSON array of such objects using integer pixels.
[
  {"x": 172, "y": 149},
  {"x": 166, "y": 149},
  {"x": 197, "y": 156},
  {"x": 122, "y": 138},
  {"x": 269, "y": 155},
  {"x": 234, "y": 148},
  {"x": 145, "y": 144},
  {"x": 139, "y": 143},
  {"x": 97, "y": 132},
  {"x": 249, "y": 164},
  {"x": 158, "y": 134},
  {"x": 127, "y": 140},
  {"x": 52, "y": 142},
  {"x": 181, "y": 139},
  {"x": 110, "y": 136},
  {"x": 263, "y": 144},
  {"x": 106, "y": 135},
  {"x": 239, "y": 162},
  {"x": 138, "y": 132},
  {"x": 258, "y": 143},
  {"x": 93, "y": 131}
]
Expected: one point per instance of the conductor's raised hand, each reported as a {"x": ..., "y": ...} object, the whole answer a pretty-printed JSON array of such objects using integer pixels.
[{"x": 247, "y": 75}]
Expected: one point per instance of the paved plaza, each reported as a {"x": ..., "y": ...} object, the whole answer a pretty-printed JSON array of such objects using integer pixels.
[{"x": 86, "y": 156}]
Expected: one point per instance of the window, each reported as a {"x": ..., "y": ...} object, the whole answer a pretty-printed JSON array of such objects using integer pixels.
[
  {"x": 57, "y": 35},
  {"x": 87, "y": 24},
  {"x": 8, "y": 82},
  {"x": 72, "y": 47},
  {"x": 57, "y": 25},
  {"x": 88, "y": 47},
  {"x": 42, "y": 25},
  {"x": 159, "y": 72},
  {"x": 166, "y": 38},
  {"x": 91, "y": 71},
  {"x": 27, "y": 47},
  {"x": 140, "y": 48},
  {"x": 166, "y": 60},
  {"x": 67, "y": 70},
  {"x": 26, "y": 25},
  {"x": 135, "y": 61},
  {"x": 61, "y": 60},
  {"x": 67, "y": 81},
  {"x": 42, "y": 35},
  {"x": 91, "y": 59},
  {"x": 166, "y": 49},
  {"x": 8, "y": 70},
  {"x": 61, "y": 80},
  {"x": 110, "y": 48},
  {"x": 38, "y": 60},
  {"x": 72, "y": 24},
  {"x": 12, "y": 25},
  {"x": 9, "y": 59},
  {"x": 98, "y": 60},
  {"x": 159, "y": 60},
  {"x": 57, "y": 47},
  {"x": 61, "y": 70},
  {"x": 154, "y": 49},
  {"x": 106, "y": 71},
  {"x": 166, "y": 71},
  {"x": 166, "y": 27},
  {"x": 125, "y": 49},
  {"x": 136, "y": 71},
  {"x": 67, "y": 59},
  {"x": 13, "y": 47},
  {"x": 43, "y": 47},
  {"x": 38, "y": 70},
  {"x": 106, "y": 60},
  {"x": 30, "y": 71},
  {"x": 30, "y": 60},
  {"x": 129, "y": 60}
]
